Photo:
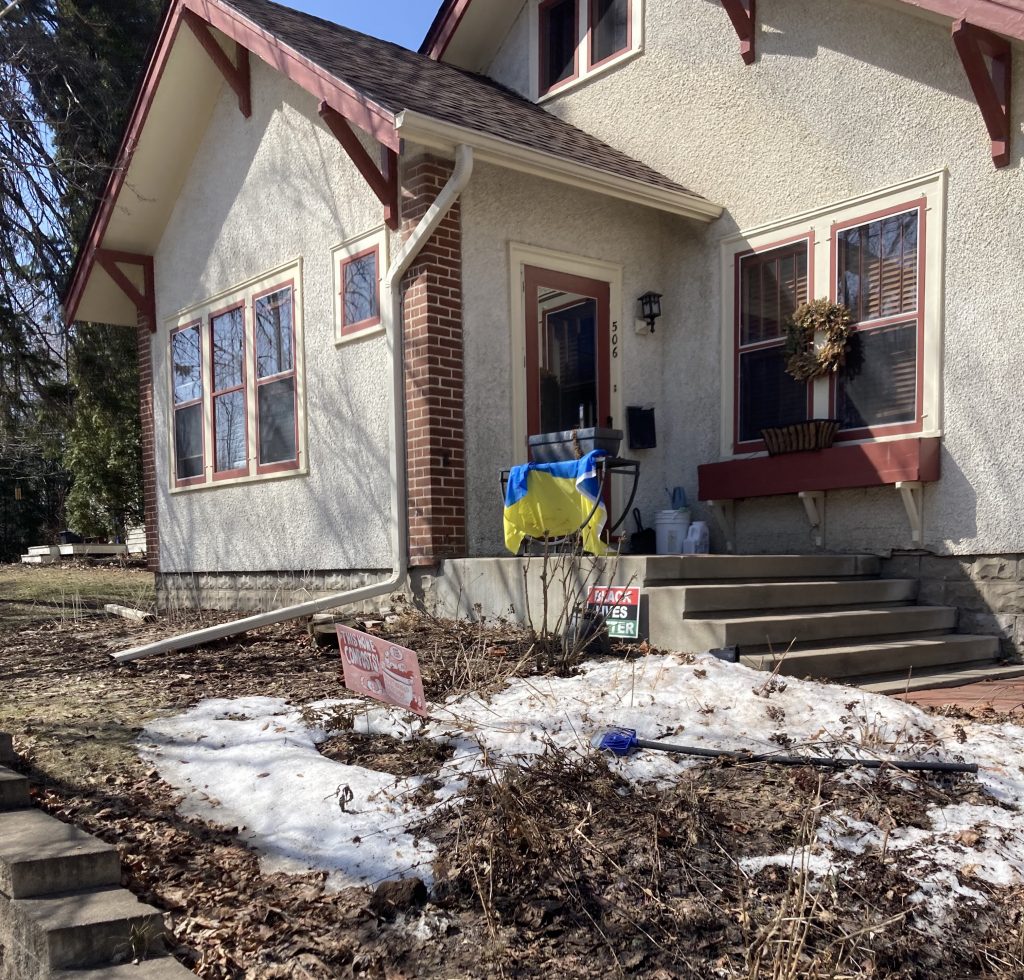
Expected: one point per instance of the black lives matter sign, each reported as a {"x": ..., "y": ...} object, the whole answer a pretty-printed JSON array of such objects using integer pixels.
[{"x": 620, "y": 609}]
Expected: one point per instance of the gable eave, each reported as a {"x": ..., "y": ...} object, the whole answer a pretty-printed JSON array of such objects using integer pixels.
[{"x": 153, "y": 160}]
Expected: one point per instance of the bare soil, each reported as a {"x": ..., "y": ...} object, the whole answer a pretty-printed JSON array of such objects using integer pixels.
[{"x": 563, "y": 870}]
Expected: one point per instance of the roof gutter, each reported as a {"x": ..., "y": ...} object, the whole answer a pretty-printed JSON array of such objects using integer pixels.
[
  {"x": 392, "y": 311},
  {"x": 428, "y": 131}
]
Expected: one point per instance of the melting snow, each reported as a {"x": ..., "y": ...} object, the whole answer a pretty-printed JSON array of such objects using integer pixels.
[{"x": 252, "y": 763}]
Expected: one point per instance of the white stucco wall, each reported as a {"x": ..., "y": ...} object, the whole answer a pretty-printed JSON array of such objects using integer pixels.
[
  {"x": 261, "y": 193},
  {"x": 846, "y": 97}
]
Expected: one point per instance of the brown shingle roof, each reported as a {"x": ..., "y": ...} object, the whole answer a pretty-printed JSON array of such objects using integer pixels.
[{"x": 397, "y": 79}]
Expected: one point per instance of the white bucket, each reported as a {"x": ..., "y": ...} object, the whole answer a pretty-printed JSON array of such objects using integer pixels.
[{"x": 670, "y": 527}]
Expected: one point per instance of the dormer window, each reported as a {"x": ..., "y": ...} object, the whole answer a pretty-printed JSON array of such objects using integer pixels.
[{"x": 579, "y": 37}]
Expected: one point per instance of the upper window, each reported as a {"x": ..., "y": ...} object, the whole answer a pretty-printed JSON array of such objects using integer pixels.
[
  {"x": 358, "y": 266},
  {"x": 881, "y": 257},
  {"x": 240, "y": 418},
  {"x": 577, "y": 37}
]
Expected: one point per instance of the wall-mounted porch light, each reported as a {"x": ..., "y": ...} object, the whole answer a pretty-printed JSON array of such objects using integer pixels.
[{"x": 650, "y": 308}]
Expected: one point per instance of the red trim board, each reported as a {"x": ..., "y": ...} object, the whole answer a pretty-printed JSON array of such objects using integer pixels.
[{"x": 870, "y": 464}]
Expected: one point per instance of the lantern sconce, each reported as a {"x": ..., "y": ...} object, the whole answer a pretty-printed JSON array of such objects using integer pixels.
[{"x": 650, "y": 310}]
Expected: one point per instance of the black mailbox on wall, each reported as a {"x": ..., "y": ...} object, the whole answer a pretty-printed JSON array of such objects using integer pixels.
[{"x": 640, "y": 427}]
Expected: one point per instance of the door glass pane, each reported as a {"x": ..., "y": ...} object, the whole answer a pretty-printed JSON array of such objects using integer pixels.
[
  {"x": 228, "y": 349},
  {"x": 188, "y": 442},
  {"x": 768, "y": 396},
  {"x": 361, "y": 300},
  {"x": 568, "y": 361},
  {"x": 558, "y": 48},
  {"x": 610, "y": 30},
  {"x": 186, "y": 370},
  {"x": 877, "y": 267},
  {"x": 277, "y": 421},
  {"x": 274, "y": 334},
  {"x": 884, "y": 389},
  {"x": 229, "y": 425}
]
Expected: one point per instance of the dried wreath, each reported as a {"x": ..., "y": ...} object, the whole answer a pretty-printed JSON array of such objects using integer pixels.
[{"x": 804, "y": 360}]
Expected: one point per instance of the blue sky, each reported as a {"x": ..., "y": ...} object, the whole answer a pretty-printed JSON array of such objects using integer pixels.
[{"x": 402, "y": 21}]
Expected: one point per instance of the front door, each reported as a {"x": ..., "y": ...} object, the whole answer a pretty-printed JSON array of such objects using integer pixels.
[{"x": 567, "y": 362}]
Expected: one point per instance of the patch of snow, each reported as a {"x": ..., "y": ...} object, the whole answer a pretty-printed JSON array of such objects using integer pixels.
[{"x": 253, "y": 763}]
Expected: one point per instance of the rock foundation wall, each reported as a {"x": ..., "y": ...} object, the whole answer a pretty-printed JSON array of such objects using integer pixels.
[{"x": 987, "y": 590}]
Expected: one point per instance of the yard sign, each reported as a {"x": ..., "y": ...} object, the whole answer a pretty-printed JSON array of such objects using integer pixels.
[
  {"x": 620, "y": 609},
  {"x": 382, "y": 670}
]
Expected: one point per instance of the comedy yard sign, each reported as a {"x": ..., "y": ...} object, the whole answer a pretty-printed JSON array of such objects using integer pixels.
[
  {"x": 382, "y": 670},
  {"x": 620, "y": 609}
]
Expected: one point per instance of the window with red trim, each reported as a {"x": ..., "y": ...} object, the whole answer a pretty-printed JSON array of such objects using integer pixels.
[
  {"x": 879, "y": 276},
  {"x": 276, "y": 394},
  {"x": 187, "y": 399},
  {"x": 771, "y": 285},
  {"x": 360, "y": 290},
  {"x": 230, "y": 425}
]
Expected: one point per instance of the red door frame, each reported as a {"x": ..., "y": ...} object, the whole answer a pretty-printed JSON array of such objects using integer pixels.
[{"x": 535, "y": 279}]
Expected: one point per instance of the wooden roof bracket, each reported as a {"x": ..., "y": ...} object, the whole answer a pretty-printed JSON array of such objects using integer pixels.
[
  {"x": 237, "y": 74},
  {"x": 383, "y": 180},
  {"x": 743, "y": 14},
  {"x": 144, "y": 300},
  {"x": 988, "y": 61}
]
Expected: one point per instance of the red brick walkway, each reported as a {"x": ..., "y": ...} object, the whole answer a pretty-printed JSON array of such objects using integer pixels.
[{"x": 1002, "y": 697}]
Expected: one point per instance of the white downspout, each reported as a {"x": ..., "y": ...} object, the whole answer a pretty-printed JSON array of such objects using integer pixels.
[{"x": 392, "y": 309}]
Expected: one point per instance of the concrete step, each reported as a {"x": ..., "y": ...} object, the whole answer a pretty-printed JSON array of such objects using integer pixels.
[
  {"x": 695, "y": 600},
  {"x": 7, "y": 754},
  {"x": 40, "y": 855},
  {"x": 754, "y": 634},
  {"x": 162, "y": 968},
  {"x": 884, "y": 655},
  {"x": 77, "y": 929},
  {"x": 13, "y": 790},
  {"x": 927, "y": 680},
  {"x": 666, "y": 569}
]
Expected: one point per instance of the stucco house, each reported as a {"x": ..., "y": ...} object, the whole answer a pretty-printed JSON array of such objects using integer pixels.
[{"x": 362, "y": 276}]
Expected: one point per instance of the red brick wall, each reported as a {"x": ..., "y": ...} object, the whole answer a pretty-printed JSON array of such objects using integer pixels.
[
  {"x": 145, "y": 341},
  {"x": 432, "y": 292}
]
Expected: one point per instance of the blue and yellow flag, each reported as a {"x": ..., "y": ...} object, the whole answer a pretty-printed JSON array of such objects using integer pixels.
[{"x": 553, "y": 499}]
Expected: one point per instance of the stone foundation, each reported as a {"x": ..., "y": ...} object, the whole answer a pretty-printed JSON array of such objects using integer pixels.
[
  {"x": 251, "y": 592},
  {"x": 988, "y": 591}
]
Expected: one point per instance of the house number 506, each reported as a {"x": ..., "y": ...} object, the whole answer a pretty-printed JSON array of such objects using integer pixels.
[{"x": 615, "y": 338}]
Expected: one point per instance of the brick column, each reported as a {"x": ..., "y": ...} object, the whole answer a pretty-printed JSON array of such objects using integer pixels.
[
  {"x": 432, "y": 326},
  {"x": 144, "y": 338}
]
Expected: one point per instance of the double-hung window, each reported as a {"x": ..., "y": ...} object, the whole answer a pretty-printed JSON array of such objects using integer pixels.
[
  {"x": 236, "y": 384},
  {"x": 881, "y": 256},
  {"x": 576, "y": 37},
  {"x": 187, "y": 403},
  {"x": 772, "y": 284}
]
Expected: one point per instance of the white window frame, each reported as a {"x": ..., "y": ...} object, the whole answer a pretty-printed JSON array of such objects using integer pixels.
[
  {"x": 584, "y": 71},
  {"x": 340, "y": 254},
  {"x": 244, "y": 293},
  {"x": 818, "y": 226}
]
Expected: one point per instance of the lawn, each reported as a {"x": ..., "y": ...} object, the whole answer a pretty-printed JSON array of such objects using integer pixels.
[{"x": 543, "y": 858}]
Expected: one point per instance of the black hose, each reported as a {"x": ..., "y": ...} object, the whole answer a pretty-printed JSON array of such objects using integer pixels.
[{"x": 820, "y": 761}]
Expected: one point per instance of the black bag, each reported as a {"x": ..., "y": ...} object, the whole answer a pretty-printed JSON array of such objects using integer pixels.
[{"x": 643, "y": 541}]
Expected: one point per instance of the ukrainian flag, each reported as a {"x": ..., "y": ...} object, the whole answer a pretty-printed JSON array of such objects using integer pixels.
[{"x": 554, "y": 499}]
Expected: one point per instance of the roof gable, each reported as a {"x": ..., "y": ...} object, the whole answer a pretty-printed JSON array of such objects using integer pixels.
[{"x": 372, "y": 84}]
